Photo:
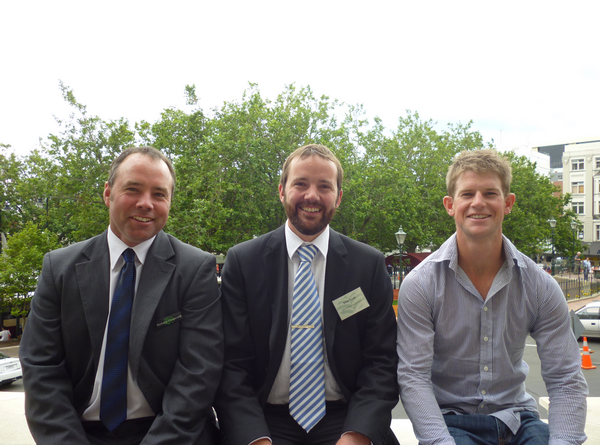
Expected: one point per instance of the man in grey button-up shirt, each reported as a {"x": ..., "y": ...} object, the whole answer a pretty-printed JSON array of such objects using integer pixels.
[{"x": 463, "y": 317}]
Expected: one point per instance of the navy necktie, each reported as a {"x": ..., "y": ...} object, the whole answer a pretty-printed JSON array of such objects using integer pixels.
[{"x": 113, "y": 398}]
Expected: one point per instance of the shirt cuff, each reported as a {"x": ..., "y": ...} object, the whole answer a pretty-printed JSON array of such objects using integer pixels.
[{"x": 261, "y": 438}]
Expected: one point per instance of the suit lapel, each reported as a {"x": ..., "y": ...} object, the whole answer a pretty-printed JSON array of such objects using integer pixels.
[
  {"x": 93, "y": 277},
  {"x": 276, "y": 271},
  {"x": 156, "y": 274},
  {"x": 335, "y": 282}
]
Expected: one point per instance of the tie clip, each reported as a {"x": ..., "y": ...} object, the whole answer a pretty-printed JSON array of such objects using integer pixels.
[{"x": 303, "y": 326}]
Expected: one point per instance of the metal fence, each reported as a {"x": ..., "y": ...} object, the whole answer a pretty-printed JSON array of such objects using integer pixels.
[
  {"x": 577, "y": 287},
  {"x": 572, "y": 285}
]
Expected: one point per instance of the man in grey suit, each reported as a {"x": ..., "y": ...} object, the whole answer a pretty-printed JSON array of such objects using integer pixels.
[
  {"x": 172, "y": 345},
  {"x": 349, "y": 369}
]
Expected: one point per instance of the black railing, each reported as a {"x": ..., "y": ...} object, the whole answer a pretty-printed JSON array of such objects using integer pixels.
[{"x": 577, "y": 287}]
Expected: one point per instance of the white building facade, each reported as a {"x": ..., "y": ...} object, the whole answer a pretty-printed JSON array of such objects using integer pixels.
[
  {"x": 542, "y": 160},
  {"x": 581, "y": 178}
]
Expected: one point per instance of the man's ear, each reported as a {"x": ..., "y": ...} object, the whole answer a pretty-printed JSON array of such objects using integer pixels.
[
  {"x": 281, "y": 195},
  {"x": 106, "y": 194},
  {"x": 449, "y": 205},
  {"x": 509, "y": 202},
  {"x": 339, "y": 200}
]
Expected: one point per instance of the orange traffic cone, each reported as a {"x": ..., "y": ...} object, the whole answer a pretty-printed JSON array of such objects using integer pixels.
[{"x": 586, "y": 358}]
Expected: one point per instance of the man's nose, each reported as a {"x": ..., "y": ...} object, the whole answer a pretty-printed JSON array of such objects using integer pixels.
[
  {"x": 478, "y": 198},
  {"x": 145, "y": 201},
  {"x": 312, "y": 193}
]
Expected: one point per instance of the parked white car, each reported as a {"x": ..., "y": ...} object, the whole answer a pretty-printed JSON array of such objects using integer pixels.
[
  {"x": 10, "y": 370},
  {"x": 589, "y": 315}
]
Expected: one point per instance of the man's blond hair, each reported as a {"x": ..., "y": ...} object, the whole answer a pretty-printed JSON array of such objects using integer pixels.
[{"x": 479, "y": 161}]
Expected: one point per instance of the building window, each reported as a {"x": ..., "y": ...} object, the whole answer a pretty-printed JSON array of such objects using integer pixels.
[
  {"x": 577, "y": 187},
  {"x": 598, "y": 163},
  {"x": 598, "y": 233},
  {"x": 578, "y": 207},
  {"x": 577, "y": 164}
]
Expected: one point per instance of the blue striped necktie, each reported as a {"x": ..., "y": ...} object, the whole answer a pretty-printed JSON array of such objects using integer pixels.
[
  {"x": 113, "y": 398},
  {"x": 307, "y": 375}
]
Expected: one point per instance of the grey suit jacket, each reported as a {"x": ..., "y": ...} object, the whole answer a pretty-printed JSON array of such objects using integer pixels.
[
  {"x": 360, "y": 349},
  {"x": 177, "y": 365}
]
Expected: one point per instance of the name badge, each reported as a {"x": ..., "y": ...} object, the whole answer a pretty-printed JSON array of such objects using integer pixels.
[{"x": 351, "y": 303}]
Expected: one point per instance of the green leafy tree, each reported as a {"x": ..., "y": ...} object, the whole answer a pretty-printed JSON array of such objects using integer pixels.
[
  {"x": 229, "y": 165},
  {"x": 527, "y": 226},
  {"x": 400, "y": 181},
  {"x": 229, "y": 161},
  {"x": 9, "y": 171},
  {"x": 19, "y": 201},
  {"x": 20, "y": 266},
  {"x": 71, "y": 181}
]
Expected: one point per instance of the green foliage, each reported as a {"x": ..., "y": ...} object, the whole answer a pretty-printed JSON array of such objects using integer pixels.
[
  {"x": 19, "y": 201},
  {"x": 229, "y": 165},
  {"x": 536, "y": 203},
  {"x": 229, "y": 160},
  {"x": 21, "y": 264},
  {"x": 73, "y": 168},
  {"x": 400, "y": 181}
]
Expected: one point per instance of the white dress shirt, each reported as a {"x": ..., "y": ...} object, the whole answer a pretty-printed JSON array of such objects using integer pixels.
[
  {"x": 137, "y": 406},
  {"x": 280, "y": 392}
]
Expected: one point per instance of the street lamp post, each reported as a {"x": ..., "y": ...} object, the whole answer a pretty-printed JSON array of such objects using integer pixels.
[
  {"x": 400, "y": 237},
  {"x": 552, "y": 223},
  {"x": 573, "y": 229}
]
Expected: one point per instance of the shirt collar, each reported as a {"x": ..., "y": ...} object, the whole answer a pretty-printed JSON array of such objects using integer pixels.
[
  {"x": 449, "y": 252},
  {"x": 293, "y": 241},
  {"x": 116, "y": 248}
]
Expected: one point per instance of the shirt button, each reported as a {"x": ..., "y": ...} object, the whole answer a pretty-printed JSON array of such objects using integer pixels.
[
  {"x": 485, "y": 338},
  {"x": 483, "y": 392},
  {"x": 481, "y": 406},
  {"x": 485, "y": 309},
  {"x": 485, "y": 368}
]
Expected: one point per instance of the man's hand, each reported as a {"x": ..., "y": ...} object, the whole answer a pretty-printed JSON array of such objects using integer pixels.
[
  {"x": 261, "y": 442},
  {"x": 354, "y": 439}
]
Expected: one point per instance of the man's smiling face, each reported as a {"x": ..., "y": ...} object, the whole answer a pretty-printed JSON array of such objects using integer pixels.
[
  {"x": 310, "y": 195},
  {"x": 478, "y": 205},
  {"x": 139, "y": 199}
]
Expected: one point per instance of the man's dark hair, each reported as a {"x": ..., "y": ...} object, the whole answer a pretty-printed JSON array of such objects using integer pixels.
[{"x": 146, "y": 151}]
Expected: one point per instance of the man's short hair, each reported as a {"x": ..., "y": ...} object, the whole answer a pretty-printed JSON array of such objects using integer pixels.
[
  {"x": 310, "y": 150},
  {"x": 146, "y": 151},
  {"x": 479, "y": 161}
]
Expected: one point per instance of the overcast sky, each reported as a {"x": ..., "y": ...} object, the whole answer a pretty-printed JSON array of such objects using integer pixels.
[{"x": 525, "y": 72}]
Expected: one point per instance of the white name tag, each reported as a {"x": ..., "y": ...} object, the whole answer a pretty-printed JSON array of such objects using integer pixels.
[{"x": 351, "y": 303}]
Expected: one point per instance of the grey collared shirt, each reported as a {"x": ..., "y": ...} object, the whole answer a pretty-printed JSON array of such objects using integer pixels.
[{"x": 462, "y": 354}]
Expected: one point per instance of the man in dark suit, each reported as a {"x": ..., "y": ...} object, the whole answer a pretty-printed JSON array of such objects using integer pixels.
[
  {"x": 172, "y": 340},
  {"x": 353, "y": 356}
]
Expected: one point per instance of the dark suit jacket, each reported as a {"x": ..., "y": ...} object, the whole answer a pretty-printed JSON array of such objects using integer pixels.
[
  {"x": 177, "y": 366},
  {"x": 361, "y": 349}
]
